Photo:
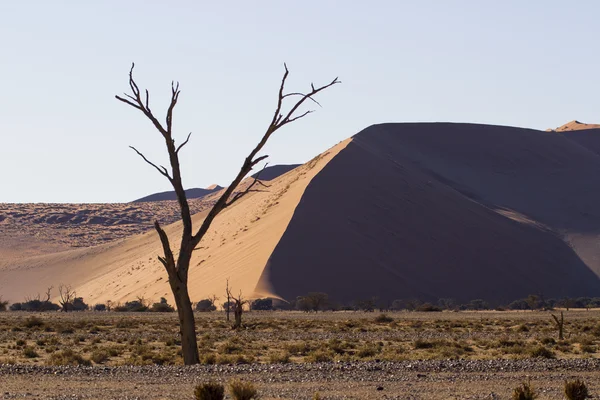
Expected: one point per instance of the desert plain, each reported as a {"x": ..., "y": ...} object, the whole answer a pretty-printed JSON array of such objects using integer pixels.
[{"x": 425, "y": 212}]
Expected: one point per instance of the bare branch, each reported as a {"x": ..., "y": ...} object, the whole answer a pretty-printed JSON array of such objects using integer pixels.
[
  {"x": 184, "y": 143},
  {"x": 162, "y": 170},
  {"x": 303, "y": 95},
  {"x": 168, "y": 261},
  {"x": 239, "y": 195}
]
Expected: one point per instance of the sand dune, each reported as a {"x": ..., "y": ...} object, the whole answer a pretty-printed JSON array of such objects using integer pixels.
[
  {"x": 237, "y": 247},
  {"x": 398, "y": 211},
  {"x": 575, "y": 126},
  {"x": 445, "y": 211}
]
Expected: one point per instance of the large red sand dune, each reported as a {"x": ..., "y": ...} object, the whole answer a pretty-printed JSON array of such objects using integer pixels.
[{"x": 423, "y": 211}]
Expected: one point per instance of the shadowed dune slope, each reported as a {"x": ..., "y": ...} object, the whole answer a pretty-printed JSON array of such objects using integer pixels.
[
  {"x": 274, "y": 171},
  {"x": 445, "y": 211},
  {"x": 588, "y": 138}
]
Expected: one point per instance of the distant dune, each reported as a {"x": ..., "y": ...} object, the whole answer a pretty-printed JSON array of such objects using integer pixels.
[
  {"x": 274, "y": 171},
  {"x": 194, "y": 193},
  {"x": 575, "y": 126},
  {"x": 428, "y": 211}
]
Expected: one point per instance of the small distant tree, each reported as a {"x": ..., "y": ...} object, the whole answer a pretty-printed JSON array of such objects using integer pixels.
[
  {"x": 37, "y": 304},
  {"x": 412, "y": 304},
  {"x": 313, "y": 301},
  {"x": 79, "y": 305},
  {"x": 478, "y": 304},
  {"x": 162, "y": 306},
  {"x": 262, "y": 305},
  {"x": 447, "y": 303},
  {"x": 177, "y": 263},
  {"x": 227, "y": 305},
  {"x": 367, "y": 305},
  {"x": 205, "y": 305},
  {"x": 520, "y": 304},
  {"x": 3, "y": 304},
  {"x": 67, "y": 295},
  {"x": 238, "y": 308},
  {"x": 532, "y": 301},
  {"x": 100, "y": 307},
  {"x": 138, "y": 305}
]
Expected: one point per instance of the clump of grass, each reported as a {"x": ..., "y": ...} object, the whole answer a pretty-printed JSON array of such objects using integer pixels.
[
  {"x": 209, "y": 391},
  {"x": 67, "y": 357},
  {"x": 209, "y": 359},
  {"x": 241, "y": 390},
  {"x": 33, "y": 322},
  {"x": 423, "y": 344},
  {"x": 298, "y": 349},
  {"x": 383, "y": 318},
  {"x": 368, "y": 350},
  {"x": 30, "y": 352},
  {"x": 576, "y": 390},
  {"x": 541, "y": 352},
  {"x": 100, "y": 356},
  {"x": 319, "y": 355},
  {"x": 524, "y": 392},
  {"x": 279, "y": 357}
]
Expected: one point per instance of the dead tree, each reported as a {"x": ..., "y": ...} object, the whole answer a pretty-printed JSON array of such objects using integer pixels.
[
  {"x": 238, "y": 308},
  {"x": 560, "y": 324},
  {"x": 178, "y": 267},
  {"x": 228, "y": 304},
  {"x": 67, "y": 295}
]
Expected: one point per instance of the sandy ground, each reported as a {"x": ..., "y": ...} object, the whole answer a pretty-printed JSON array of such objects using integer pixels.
[{"x": 366, "y": 381}]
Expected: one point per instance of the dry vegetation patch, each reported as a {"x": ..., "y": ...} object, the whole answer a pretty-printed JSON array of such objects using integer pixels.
[{"x": 106, "y": 338}]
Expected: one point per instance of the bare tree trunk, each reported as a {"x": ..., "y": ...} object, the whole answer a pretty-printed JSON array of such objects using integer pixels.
[
  {"x": 187, "y": 323},
  {"x": 228, "y": 307},
  {"x": 177, "y": 269},
  {"x": 560, "y": 323},
  {"x": 239, "y": 309}
]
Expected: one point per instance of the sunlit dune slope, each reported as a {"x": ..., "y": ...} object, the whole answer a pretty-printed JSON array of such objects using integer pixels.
[{"x": 236, "y": 248}]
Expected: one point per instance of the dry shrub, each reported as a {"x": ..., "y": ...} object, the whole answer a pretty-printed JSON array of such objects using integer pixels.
[
  {"x": 67, "y": 357},
  {"x": 576, "y": 390},
  {"x": 209, "y": 391},
  {"x": 241, "y": 390},
  {"x": 524, "y": 392}
]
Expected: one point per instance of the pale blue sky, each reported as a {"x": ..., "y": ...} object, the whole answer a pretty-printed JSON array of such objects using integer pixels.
[{"x": 64, "y": 138}]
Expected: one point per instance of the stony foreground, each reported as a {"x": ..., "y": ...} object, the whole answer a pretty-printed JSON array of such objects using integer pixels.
[{"x": 491, "y": 379}]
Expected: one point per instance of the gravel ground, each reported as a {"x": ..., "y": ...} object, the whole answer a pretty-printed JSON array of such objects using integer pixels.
[{"x": 492, "y": 379}]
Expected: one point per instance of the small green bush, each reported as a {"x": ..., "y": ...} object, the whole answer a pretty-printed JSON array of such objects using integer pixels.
[
  {"x": 241, "y": 390},
  {"x": 209, "y": 391},
  {"x": 524, "y": 392},
  {"x": 576, "y": 390}
]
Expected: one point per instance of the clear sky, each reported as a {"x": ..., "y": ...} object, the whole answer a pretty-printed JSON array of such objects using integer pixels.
[{"x": 64, "y": 138}]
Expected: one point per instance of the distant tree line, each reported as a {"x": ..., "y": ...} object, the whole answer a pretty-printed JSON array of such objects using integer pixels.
[{"x": 311, "y": 302}]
